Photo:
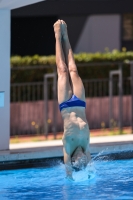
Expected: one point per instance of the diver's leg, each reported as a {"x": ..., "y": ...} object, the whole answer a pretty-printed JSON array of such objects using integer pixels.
[
  {"x": 77, "y": 84},
  {"x": 64, "y": 89}
]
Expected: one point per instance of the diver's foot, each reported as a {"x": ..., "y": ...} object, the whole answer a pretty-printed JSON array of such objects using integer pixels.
[
  {"x": 64, "y": 30},
  {"x": 57, "y": 29}
]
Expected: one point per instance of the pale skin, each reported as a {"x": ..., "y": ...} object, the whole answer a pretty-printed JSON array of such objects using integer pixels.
[{"x": 76, "y": 130}]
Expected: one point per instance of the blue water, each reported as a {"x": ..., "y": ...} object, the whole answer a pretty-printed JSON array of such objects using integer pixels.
[{"x": 109, "y": 180}]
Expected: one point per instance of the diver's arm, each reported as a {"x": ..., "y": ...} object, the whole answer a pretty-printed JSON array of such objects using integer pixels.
[
  {"x": 87, "y": 152},
  {"x": 88, "y": 156},
  {"x": 68, "y": 165}
]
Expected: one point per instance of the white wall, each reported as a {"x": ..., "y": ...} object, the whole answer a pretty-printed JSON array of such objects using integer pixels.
[
  {"x": 5, "y": 78},
  {"x": 99, "y": 32}
]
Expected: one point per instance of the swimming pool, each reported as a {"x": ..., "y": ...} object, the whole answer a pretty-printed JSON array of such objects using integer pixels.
[{"x": 110, "y": 180}]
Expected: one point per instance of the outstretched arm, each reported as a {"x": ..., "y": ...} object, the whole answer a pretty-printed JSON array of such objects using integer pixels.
[
  {"x": 68, "y": 165},
  {"x": 87, "y": 153}
]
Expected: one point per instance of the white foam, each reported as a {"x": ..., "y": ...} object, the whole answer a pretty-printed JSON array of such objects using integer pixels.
[{"x": 86, "y": 174}]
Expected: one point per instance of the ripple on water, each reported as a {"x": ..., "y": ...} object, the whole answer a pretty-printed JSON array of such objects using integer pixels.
[{"x": 107, "y": 180}]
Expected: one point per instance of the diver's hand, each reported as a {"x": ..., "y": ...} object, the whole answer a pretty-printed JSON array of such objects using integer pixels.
[{"x": 70, "y": 178}]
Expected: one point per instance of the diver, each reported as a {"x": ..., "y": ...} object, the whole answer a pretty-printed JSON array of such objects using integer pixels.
[{"x": 71, "y": 99}]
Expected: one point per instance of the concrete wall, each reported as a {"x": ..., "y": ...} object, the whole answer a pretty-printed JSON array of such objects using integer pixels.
[
  {"x": 4, "y": 78},
  {"x": 75, "y": 27},
  {"x": 87, "y": 33},
  {"x": 99, "y": 32}
]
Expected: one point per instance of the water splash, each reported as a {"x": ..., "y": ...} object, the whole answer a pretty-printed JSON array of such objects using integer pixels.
[
  {"x": 97, "y": 157},
  {"x": 88, "y": 173}
]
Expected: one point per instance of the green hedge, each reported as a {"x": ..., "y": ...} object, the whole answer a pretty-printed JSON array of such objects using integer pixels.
[
  {"x": 85, "y": 72},
  {"x": 107, "y": 56}
]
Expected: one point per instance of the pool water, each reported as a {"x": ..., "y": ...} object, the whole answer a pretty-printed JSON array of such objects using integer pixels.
[{"x": 109, "y": 180}]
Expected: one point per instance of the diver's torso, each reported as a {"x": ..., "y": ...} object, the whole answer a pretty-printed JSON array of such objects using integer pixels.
[{"x": 76, "y": 130}]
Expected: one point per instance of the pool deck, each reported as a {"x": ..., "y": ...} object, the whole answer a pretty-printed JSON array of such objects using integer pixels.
[{"x": 53, "y": 148}]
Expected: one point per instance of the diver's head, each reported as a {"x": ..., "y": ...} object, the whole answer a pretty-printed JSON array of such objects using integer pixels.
[{"x": 79, "y": 159}]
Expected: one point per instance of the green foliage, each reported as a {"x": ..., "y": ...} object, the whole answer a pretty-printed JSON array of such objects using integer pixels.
[
  {"x": 32, "y": 60},
  {"x": 107, "y": 56},
  {"x": 81, "y": 59}
]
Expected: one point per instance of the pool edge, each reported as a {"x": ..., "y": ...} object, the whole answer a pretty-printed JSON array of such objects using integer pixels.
[{"x": 21, "y": 158}]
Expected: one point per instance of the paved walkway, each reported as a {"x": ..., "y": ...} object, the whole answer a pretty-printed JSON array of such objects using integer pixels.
[
  {"x": 93, "y": 140},
  {"x": 51, "y": 149}
]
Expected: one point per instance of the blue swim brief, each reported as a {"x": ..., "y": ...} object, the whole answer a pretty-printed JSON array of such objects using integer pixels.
[{"x": 73, "y": 101}]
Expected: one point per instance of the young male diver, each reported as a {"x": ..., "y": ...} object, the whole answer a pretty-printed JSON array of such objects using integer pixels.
[{"x": 71, "y": 98}]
